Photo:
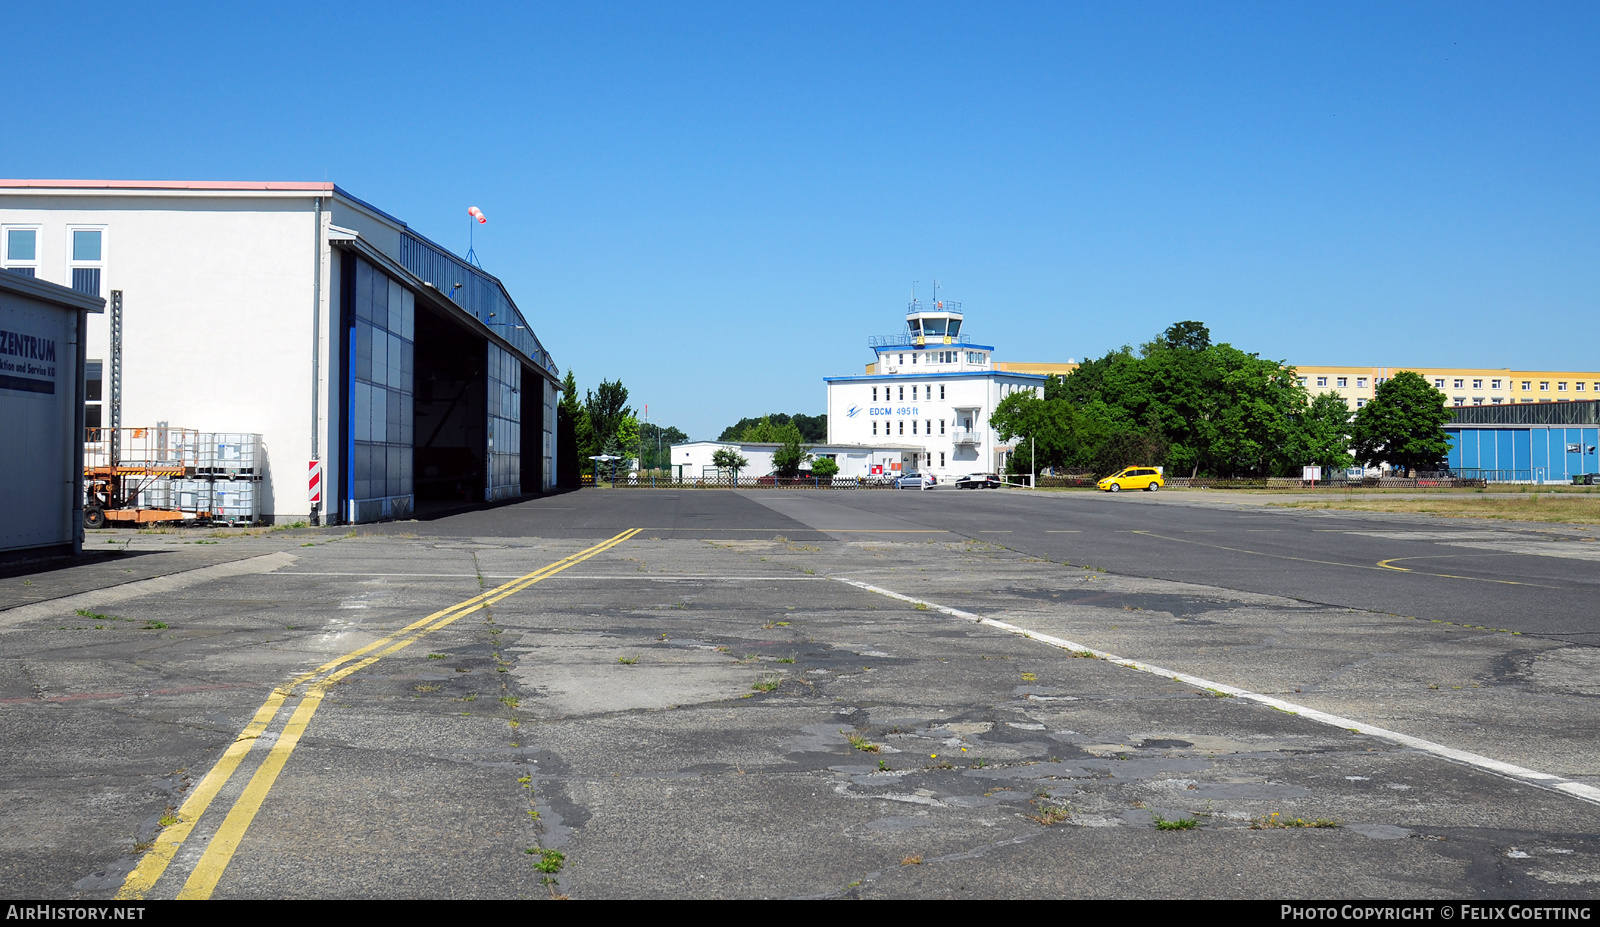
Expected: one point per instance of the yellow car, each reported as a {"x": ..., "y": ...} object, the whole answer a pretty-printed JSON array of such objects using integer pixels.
[{"x": 1146, "y": 478}]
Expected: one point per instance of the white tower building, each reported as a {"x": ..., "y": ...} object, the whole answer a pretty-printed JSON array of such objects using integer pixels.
[{"x": 931, "y": 388}]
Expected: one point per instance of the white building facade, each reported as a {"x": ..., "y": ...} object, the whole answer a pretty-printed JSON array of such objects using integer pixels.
[
  {"x": 930, "y": 389},
  {"x": 301, "y": 313},
  {"x": 692, "y": 460}
]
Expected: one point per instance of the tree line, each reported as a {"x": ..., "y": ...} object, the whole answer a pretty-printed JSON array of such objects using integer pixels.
[
  {"x": 1199, "y": 408},
  {"x": 602, "y": 422}
]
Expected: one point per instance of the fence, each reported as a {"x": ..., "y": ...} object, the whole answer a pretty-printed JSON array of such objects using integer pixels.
[
  {"x": 1423, "y": 481},
  {"x": 653, "y": 481}
]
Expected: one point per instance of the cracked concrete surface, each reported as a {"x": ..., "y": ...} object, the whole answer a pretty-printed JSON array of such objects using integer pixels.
[{"x": 783, "y": 734}]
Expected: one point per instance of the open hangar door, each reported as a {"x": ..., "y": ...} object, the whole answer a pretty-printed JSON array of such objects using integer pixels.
[{"x": 451, "y": 411}]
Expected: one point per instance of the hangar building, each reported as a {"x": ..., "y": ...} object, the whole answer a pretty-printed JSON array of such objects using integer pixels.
[
  {"x": 301, "y": 313},
  {"x": 1527, "y": 442}
]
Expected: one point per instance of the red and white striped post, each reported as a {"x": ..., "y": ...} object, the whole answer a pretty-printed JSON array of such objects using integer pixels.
[{"x": 314, "y": 488}]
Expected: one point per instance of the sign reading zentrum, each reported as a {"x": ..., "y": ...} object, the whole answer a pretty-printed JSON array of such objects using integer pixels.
[{"x": 27, "y": 362}]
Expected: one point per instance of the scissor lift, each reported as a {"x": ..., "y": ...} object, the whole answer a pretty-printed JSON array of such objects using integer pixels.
[{"x": 121, "y": 464}]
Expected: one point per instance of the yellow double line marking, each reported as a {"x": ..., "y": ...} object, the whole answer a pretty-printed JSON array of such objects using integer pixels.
[{"x": 203, "y": 880}]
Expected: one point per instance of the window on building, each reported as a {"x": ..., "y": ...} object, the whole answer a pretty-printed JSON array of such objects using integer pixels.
[
  {"x": 22, "y": 251},
  {"x": 941, "y": 460},
  {"x": 913, "y": 426},
  {"x": 1461, "y": 400},
  {"x": 941, "y": 426},
  {"x": 1527, "y": 384},
  {"x": 1477, "y": 400},
  {"x": 874, "y": 427},
  {"x": 1438, "y": 382},
  {"x": 1343, "y": 381},
  {"x": 1477, "y": 384},
  {"x": 1578, "y": 386},
  {"x": 1322, "y": 381},
  {"x": 88, "y": 252},
  {"x": 1360, "y": 403},
  {"x": 902, "y": 426},
  {"x": 1494, "y": 384},
  {"x": 874, "y": 394},
  {"x": 1457, "y": 383},
  {"x": 1495, "y": 400},
  {"x": 913, "y": 357},
  {"x": 927, "y": 426},
  {"x": 93, "y": 385},
  {"x": 1301, "y": 381},
  {"x": 913, "y": 394},
  {"x": 1544, "y": 386},
  {"x": 941, "y": 390},
  {"x": 902, "y": 394},
  {"x": 1361, "y": 382},
  {"x": 1561, "y": 387}
]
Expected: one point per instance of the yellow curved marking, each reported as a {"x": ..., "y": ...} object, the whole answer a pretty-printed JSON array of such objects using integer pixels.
[
  {"x": 1387, "y": 565},
  {"x": 1380, "y": 565},
  {"x": 203, "y": 879}
]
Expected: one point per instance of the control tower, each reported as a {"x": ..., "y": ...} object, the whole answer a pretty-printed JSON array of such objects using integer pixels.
[{"x": 934, "y": 322}]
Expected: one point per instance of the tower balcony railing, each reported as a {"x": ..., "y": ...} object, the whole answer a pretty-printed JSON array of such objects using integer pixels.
[
  {"x": 962, "y": 436},
  {"x": 908, "y": 340}
]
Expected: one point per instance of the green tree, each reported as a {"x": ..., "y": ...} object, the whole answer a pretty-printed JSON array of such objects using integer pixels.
[
  {"x": 627, "y": 437},
  {"x": 767, "y": 431},
  {"x": 726, "y": 458},
  {"x": 813, "y": 428},
  {"x": 1403, "y": 425},
  {"x": 824, "y": 468},
  {"x": 787, "y": 460},
  {"x": 574, "y": 437},
  {"x": 607, "y": 404},
  {"x": 656, "y": 443},
  {"x": 1322, "y": 434}
]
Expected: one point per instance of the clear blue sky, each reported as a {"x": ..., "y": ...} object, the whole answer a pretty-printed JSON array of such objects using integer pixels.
[{"x": 719, "y": 203}]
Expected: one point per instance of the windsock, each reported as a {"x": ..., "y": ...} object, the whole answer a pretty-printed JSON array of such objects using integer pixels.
[{"x": 476, "y": 213}]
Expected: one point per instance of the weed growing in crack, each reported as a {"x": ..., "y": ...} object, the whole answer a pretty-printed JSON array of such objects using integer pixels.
[
  {"x": 1179, "y": 824},
  {"x": 767, "y": 683},
  {"x": 628, "y": 661},
  {"x": 550, "y": 861},
  {"x": 911, "y": 861},
  {"x": 1275, "y": 821},
  {"x": 1050, "y": 811},
  {"x": 511, "y": 701},
  {"x": 861, "y": 743}
]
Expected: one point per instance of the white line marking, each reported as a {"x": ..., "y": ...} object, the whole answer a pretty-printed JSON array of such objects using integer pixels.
[{"x": 1533, "y": 777}]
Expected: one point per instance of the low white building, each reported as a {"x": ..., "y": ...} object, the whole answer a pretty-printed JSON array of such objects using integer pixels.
[
  {"x": 296, "y": 311},
  {"x": 929, "y": 389},
  {"x": 692, "y": 460}
]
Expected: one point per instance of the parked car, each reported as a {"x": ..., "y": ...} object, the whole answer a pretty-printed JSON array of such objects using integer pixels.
[
  {"x": 979, "y": 481},
  {"x": 913, "y": 480},
  {"x": 1146, "y": 478}
]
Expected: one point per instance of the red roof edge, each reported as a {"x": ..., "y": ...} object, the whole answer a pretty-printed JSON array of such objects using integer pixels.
[{"x": 170, "y": 185}]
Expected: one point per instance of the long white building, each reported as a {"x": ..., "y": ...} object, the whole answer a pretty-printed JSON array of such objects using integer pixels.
[
  {"x": 930, "y": 388},
  {"x": 296, "y": 311}
]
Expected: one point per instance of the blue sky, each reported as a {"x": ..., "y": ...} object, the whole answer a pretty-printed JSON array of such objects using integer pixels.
[{"x": 718, "y": 203}]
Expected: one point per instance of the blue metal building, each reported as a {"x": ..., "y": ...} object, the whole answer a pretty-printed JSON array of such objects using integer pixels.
[{"x": 1547, "y": 442}]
